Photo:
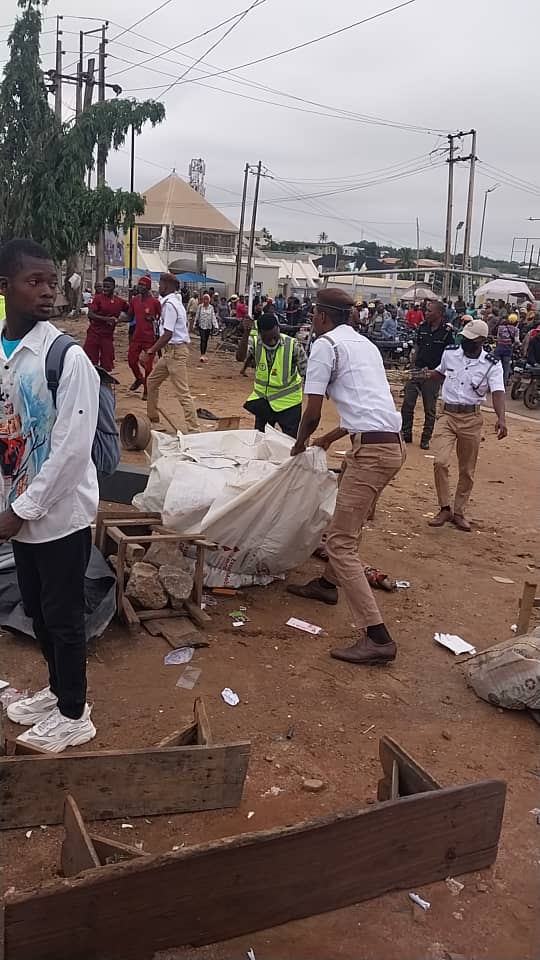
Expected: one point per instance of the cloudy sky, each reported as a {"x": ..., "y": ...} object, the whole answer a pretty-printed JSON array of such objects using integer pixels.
[{"x": 352, "y": 138}]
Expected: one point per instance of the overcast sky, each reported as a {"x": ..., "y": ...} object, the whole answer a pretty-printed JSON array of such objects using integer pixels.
[{"x": 440, "y": 66}]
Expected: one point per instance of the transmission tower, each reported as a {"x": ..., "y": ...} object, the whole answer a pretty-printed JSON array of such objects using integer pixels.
[{"x": 197, "y": 170}]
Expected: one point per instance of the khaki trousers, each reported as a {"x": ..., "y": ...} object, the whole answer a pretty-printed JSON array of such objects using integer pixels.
[
  {"x": 173, "y": 364},
  {"x": 368, "y": 469},
  {"x": 461, "y": 432}
]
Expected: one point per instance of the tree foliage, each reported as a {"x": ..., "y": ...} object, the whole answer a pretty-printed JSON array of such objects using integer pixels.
[{"x": 44, "y": 164}]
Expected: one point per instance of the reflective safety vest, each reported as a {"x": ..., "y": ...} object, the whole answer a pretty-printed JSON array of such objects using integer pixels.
[
  {"x": 280, "y": 385},
  {"x": 253, "y": 334}
]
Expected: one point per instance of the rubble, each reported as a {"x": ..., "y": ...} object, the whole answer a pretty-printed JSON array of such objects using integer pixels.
[
  {"x": 144, "y": 587},
  {"x": 177, "y": 584},
  {"x": 165, "y": 554}
]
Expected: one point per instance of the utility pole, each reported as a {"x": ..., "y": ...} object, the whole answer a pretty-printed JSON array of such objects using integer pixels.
[
  {"x": 249, "y": 276},
  {"x": 417, "y": 253},
  {"x": 240, "y": 248},
  {"x": 101, "y": 152},
  {"x": 449, "y": 209},
  {"x": 132, "y": 188},
  {"x": 80, "y": 72},
  {"x": 58, "y": 85},
  {"x": 466, "y": 280}
]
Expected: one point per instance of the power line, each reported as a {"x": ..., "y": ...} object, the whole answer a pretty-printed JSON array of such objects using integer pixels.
[
  {"x": 142, "y": 19},
  {"x": 184, "y": 43},
  {"x": 307, "y": 43},
  {"x": 214, "y": 45}
]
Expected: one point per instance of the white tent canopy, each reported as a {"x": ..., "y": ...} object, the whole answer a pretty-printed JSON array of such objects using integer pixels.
[
  {"x": 418, "y": 294},
  {"x": 503, "y": 289}
]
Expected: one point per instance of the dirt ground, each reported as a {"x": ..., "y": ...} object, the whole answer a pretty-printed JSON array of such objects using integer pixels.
[{"x": 339, "y": 711}]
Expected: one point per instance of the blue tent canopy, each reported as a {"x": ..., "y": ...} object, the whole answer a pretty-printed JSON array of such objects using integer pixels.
[{"x": 198, "y": 278}]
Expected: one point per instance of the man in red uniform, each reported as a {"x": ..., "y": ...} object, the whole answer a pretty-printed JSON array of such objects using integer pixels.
[
  {"x": 103, "y": 312},
  {"x": 414, "y": 317},
  {"x": 145, "y": 310}
]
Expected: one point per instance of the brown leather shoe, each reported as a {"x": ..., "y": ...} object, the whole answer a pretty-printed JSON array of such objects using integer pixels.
[
  {"x": 443, "y": 516},
  {"x": 314, "y": 591},
  {"x": 461, "y": 523},
  {"x": 367, "y": 652}
]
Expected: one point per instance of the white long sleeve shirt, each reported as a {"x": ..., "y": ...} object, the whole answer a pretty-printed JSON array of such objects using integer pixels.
[{"x": 46, "y": 471}]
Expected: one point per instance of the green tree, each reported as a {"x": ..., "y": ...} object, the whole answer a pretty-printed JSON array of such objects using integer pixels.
[{"x": 43, "y": 164}]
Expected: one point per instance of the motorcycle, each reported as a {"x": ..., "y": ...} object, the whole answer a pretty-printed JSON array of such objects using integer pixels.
[
  {"x": 526, "y": 385},
  {"x": 397, "y": 351}
]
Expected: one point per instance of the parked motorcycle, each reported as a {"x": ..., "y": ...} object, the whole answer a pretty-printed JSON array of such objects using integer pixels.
[
  {"x": 397, "y": 351},
  {"x": 526, "y": 385}
]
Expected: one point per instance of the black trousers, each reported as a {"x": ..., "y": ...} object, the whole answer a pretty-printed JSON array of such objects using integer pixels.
[
  {"x": 205, "y": 336},
  {"x": 51, "y": 581},
  {"x": 288, "y": 420},
  {"x": 429, "y": 391}
]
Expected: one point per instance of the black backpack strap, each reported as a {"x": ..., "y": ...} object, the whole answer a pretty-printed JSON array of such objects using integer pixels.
[{"x": 54, "y": 361}]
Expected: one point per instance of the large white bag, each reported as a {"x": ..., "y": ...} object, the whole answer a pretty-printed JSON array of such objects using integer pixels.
[
  {"x": 508, "y": 674},
  {"x": 242, "y": 489}
]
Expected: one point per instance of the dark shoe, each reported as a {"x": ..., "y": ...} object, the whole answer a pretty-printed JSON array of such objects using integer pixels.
[
  {"x": 145, "y": 395},
  {"x": 314, "y": 591},
  {"x": 367, "y": 652},
  {"x": 443, "y": 516},
  {"x": 320, "y": 553},
  {"x": 461, "y": 523},
  {"x": 135, "y": 385},
  {"x": 407, "y": 438},
  {"x": 424, "y": 444}
]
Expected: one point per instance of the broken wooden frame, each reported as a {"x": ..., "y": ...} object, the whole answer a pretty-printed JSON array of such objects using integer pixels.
[
  {"x": 128, "y": 536},
  {"x": 223, "y": 889},
  {"x": 185, "y": 772}
]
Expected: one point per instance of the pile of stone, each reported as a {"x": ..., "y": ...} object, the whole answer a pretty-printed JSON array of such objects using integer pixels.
[{"x": 161, "y": 579}]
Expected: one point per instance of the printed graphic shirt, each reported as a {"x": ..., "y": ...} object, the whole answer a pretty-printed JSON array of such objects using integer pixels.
[{"x": 46, "y": 471}]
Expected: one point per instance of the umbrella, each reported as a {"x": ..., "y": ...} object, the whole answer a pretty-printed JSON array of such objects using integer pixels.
[
  {"x": 502, "y": 289},
  {"x": 422, "y": 293}
]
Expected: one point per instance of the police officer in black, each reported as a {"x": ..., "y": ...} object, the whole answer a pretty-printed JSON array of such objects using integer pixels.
[{"x": 433, "y": 337}]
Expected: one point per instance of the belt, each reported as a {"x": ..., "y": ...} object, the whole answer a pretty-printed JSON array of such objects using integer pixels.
[
  {"x": 375, "y": 436},
  {"x": 461, "y": 408}
]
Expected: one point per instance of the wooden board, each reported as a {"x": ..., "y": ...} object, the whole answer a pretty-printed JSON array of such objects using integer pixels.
[
  {"x": 231, "y": 887},
  {"x": 78, "y": 851},
  {"x": 407, "y": 779},
  {"x": 112, "y": 850},
  {"x": 120, "y": 783},
  {"x": 526, "y": 608}
]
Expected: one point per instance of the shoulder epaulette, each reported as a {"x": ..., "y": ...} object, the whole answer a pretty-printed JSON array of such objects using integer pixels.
[
  {"x": 491, "y": 358},
  {"x": 453, "y": 346}
]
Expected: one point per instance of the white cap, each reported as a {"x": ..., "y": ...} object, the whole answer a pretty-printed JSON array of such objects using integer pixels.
[{"x": 474, "y": 329}]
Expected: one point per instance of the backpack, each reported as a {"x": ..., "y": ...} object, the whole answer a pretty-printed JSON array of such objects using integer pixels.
[{"x": 106, "y": 445}]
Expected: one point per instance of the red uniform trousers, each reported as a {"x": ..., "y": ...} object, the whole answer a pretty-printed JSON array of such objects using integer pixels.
[
  {"x": 99, "y": 345},
  {"x": 138, "y": 343}
]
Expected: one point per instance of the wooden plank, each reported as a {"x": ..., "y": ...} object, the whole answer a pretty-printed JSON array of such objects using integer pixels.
[
  {"x": 129, "y": 614},
  {"x": 199, "y": 617},
  {"x": 120, "y": 783},
  {"x": 412, "y": 777},
  {"x": 111, "y": 851},
  {"x": 236, "y": 886},
  {"x": 198, "y": 579},
  {"x": 204, "y": 734},
  {"x": 181, "y": 738},
  {"x": 78, "y": 852},
  {"x": 526, "y": 608},
  {"x": 164, "y": 614}
]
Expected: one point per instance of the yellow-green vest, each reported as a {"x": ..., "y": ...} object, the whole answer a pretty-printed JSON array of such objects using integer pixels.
[
  {"x": 2, "y": 307},
  {"x": 280, "y": 385}
]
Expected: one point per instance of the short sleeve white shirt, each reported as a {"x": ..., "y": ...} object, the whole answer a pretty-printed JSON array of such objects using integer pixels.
[
  {"x": 174, "y": 319},
  {"x": 349, "y": 368},
  {"x": 468, "y": 380}
]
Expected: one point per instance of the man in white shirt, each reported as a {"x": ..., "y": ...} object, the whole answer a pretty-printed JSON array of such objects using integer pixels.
[
  {"x": 174, "y": 341},
  {"x": 348, "y": 368},
  {"x": 49, "y": 491},
  {"x": 467, "y": 374}
]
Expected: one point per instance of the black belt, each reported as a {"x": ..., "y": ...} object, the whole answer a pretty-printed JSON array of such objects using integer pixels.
[
  {"x": 461, "y": 408},
  {"x": 375, "y": 436}
]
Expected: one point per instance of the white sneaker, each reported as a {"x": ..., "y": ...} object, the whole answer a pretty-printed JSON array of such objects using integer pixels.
[
  {"x": 57, "y": 732},
  {"x": 31, "y": 710}
]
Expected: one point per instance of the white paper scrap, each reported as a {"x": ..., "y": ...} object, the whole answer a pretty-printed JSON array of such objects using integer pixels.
[
  {"x": 503, "y": 580},
  {"x": 454, "y": 643},
  {"x": 4, "y": 683},
  {"x": 181, "y": 655},
  {"x": 251, "y": 954},
  {"x": 425, "y": 904},
  {"x": 304, "y": 625},
  {"x": 230, "y": 697},
  {"x": 402, "y": 584}
]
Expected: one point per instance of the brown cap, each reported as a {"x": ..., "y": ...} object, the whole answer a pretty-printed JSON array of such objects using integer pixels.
[{"x": 334, "y": 299}]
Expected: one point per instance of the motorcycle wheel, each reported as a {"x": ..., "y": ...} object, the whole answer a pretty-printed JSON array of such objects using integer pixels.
[
  {"x": 515, "y": 392},
  {"x": 531, "y": 397}
]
